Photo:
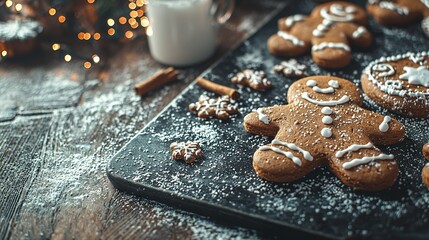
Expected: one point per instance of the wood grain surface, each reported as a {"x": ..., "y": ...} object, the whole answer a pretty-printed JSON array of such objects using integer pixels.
[{"x": 60, "y": 125}]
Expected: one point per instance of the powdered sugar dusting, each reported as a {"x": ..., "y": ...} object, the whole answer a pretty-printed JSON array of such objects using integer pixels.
[{"x": 319, "y": 202}]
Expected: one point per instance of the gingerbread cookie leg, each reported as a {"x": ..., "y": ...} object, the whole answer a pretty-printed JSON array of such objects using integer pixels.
[
  {"x": 283, "y": 161},
  {"x": 362, "y": 166}
]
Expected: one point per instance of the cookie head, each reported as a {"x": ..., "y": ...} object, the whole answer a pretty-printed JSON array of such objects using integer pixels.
[
  {"x": 339, "y": 11},
  {"x": 325, "y": 90}
]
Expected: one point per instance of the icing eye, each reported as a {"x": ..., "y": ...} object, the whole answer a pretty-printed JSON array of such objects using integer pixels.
[
  {"x": 350, "y": 9},
  {"x": 311, "y": 83},
  {"x": 333, "y": 83}
]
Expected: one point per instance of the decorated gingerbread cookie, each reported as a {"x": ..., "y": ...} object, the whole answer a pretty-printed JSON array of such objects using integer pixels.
[
  {"x": 425, "y": 171},
  {"x": 400, "y": 83},
  {"x": 329, "y": 32},
  {"x": 222, "y": 107},
  {"x": 254, "y": 79},
  {"x": 291, "y": 68},
  {"x": 18, "y": 37},
  {"x": 186, "y": 151},
  {"x": 399, "y": 12},
  {"x": 325, "y": 124}
]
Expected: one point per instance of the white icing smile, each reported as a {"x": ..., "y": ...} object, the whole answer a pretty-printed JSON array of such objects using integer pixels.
[
  {"x": 342, "y": 100},
  {"x": 331, "y": 89}
]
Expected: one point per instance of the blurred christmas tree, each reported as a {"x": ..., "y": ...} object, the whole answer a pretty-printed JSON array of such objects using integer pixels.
[{"x": 72, "y": 28}]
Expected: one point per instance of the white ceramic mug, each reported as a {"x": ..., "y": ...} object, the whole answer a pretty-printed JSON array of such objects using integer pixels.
[{"x": 183, "y": 32}]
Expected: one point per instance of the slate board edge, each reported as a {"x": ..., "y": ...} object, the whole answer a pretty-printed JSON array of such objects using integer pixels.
[{"x": 214, "y": 211}]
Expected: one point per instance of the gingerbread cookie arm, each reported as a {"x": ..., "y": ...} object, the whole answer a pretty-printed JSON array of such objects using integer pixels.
[
  {"x": 356, "y": 35},
  {"x": 382, "y": 130},
  {"x": 287, "y": 23},
  {"x": 292, "y": 41},
  {"x": 363, "y": 166},
  {"x": 265, "y": 121}
]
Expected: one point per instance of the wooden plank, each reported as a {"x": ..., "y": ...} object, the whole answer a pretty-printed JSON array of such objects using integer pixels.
[
  {"x": 21, "y": 160},
  {"x": 38, "y": 87}
]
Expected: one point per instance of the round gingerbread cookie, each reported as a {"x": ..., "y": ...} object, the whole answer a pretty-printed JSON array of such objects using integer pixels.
[
  {"x": 329, "y": 32},
  {"x": 399, "y": 83},
  {"x": 19, "y": 37}
]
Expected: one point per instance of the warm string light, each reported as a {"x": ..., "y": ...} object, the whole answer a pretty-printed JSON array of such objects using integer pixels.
[
  {"x": 135, "y": 18},
  {"x": 87, "y": 65},
  {"x": 8, "y": 3},
  {"x": 67, "y": 58},
  {"x": 110, "y": 22},
  {"x": 18, "y": 7},
  {"x": 129, "y": 34},
  {"x": 52, "y": 11},
  {"x": 4, "y": 53},
  {"x": 56, "y": 46},
  {"x": 61, "y": 19},
  {"x": 95, "y": 58},
  {"x": 96, "y": 36}
]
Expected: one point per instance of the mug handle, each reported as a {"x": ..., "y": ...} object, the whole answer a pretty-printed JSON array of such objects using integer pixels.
[{"x": 222, "y": 10}]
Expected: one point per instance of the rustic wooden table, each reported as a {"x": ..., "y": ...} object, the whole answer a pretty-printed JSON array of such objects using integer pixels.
[{"x": 60, "y": 125}]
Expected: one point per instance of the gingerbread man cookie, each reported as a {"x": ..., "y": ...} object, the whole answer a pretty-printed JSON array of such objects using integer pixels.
[
  {"x": 400, "y": 83},
  {"x": 425, "y": 170},
  {"x": 399, "y": 12},
  {"x": 325, "y": 124},
  {"x": 329, "y": 32}
]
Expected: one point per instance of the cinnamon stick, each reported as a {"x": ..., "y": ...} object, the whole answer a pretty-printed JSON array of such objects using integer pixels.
[
  {"x": 217, "y": 88},
  {"x": 159, "y": 79}
]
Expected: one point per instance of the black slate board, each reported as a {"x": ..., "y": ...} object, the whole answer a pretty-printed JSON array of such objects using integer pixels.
[{"x": 224, "y": 185}]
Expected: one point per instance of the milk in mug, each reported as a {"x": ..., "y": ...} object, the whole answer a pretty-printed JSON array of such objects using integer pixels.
[{"x": 183, "y": 31}]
